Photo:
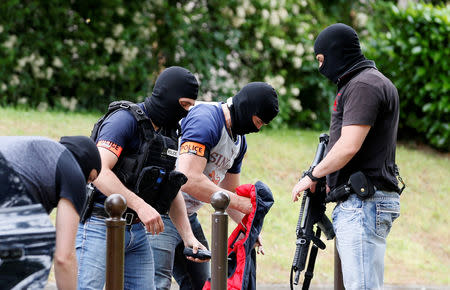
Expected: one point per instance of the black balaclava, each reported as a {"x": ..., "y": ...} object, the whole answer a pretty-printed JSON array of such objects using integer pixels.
[
  {"x": 172, "y": 84},
  {"x": 85, "y": 152},
  {"x": 256, "y": 98},
  {"x": 340, "y": 47}
]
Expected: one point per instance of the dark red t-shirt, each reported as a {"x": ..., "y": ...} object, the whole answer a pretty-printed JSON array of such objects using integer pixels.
[{"x": 369, "y": 98}]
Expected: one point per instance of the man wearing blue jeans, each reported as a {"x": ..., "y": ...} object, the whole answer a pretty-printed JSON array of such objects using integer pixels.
[
  {"x": 138, "y": 148},
  {"x": 212, "y": 148},
  {"x": 363, "y": 135}
]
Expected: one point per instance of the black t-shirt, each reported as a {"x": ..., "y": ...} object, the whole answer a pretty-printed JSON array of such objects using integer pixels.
[
  {"x": 369, "y": 98},
  {"x": 48, "y": 170},
  {"x": 119, "y": 133}
]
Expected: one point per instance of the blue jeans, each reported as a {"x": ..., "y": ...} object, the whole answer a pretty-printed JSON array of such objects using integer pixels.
[
  {"x": 361, "y": 229},
  {"x": 168, "y": 252},
  {"x": 91, "y": 256}
]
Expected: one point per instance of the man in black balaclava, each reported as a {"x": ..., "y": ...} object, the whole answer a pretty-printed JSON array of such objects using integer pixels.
[
  {"x": 37, "y": 175},
  {"x": 85, "y": 152},
  {"x": 255, "y": 99},
  {"x": 173, "y": 84},
  {"x": 363, "y": 134},
  {"x": 212, "y": 148},
  {"x": 339, "y": 44},
  {"x": 138, "y": 147}
]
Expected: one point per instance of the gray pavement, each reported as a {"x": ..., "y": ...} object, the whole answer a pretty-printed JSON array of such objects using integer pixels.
[{"x": 52, "y": 286}]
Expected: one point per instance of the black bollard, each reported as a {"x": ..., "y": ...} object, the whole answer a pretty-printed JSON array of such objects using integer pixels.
[
  {"x": 338, "y": 280},
  {"x": 115, "y": 206},
  {"x": 219, "y": 249}
]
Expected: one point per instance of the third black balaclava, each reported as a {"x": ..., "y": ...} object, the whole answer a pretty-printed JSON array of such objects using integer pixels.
[
  {"x": 172, "y": 84},
  {"x": 339, "y": 44},
  {"x": 85, "y": 152},
  {"x": 256, "y": 98}
]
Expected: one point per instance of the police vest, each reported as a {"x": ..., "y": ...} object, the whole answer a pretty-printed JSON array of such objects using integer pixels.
[{"x": 143, "y": 172}]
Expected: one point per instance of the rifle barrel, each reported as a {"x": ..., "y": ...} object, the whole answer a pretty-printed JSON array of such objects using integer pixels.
[{"x": 305, "y": 223}]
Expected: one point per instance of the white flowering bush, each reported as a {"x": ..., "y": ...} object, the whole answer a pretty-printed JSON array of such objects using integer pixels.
[
  {"x": 230, "y": 43},
  {"x": 75, "y": 55}
]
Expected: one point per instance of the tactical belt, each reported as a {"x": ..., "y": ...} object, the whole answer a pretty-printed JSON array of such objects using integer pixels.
[
  {"x": 131, "y": 218},
  {"x": 357, "y": 184}
]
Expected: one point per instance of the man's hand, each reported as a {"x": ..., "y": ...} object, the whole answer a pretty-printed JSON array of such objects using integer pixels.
[
  {"x": 244, "y": 204},
  {"x": 150, "y": 218},
  {"x": 109, "y": 183},
  {"x": 259, "y": 246},
  {"x": 302, "y": 185},
  {"x": 195, "y": 245}
]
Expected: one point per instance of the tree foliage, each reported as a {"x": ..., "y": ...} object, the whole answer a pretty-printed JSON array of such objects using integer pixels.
[
  {"x": 84, "y": 54},
  {"x": 412, "y": 48}
]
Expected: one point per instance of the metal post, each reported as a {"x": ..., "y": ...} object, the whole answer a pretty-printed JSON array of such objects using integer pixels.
[
  {"x": 338, "y": 280},
  {"x": 115, "y": 206},
  {"x": 219, "y": 250}
]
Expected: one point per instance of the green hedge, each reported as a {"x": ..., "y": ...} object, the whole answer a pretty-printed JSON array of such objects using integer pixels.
[
  {"x": 85, "y": 54},
  {"x": 412, "y": 48},
  {"x": 81, "y": 55}
]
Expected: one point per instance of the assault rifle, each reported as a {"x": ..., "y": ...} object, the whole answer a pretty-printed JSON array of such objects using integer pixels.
[{"x": 312, "y": 212}]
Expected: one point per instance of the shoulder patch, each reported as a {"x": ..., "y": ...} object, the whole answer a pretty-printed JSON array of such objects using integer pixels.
[
  {"x": 111, "y": 146},
  {"x": 193, "y": 148}
]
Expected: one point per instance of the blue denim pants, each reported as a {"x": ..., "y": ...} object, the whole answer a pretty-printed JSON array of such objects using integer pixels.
[
  {"x": 91, "y": 256},
  {"x": 361, "y": 229},
  {"x": 169, "y": 259}
]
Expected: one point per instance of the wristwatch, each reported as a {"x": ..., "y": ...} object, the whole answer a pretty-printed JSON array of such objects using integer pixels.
[{"x": 310, "y": 175}]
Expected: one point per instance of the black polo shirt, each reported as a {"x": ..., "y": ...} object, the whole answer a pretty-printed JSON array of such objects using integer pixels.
[{"x": 368, "y": 98}]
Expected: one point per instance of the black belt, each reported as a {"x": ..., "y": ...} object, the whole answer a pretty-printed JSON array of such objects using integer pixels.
[{"x": 131, "y": 218}]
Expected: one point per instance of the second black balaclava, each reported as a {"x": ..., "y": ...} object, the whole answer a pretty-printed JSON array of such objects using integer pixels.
[
  {"x": 256, "y": 98},
  {"x": 339, "y": 44},
  {"x": 85, "y": 152},
  {"x": 172, "y": 84}
]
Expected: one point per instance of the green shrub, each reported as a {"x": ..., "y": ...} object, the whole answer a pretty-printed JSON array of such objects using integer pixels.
[
  {"x": 80, "y": 55},
  {"x": 84, "y": 54},
  {"x": 411, "y": 46},
  {"x": 231, "y": 43}
]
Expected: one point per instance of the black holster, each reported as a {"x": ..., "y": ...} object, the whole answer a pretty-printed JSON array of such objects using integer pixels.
[
  {"x": 86, "y": 212},
  {"x": 358, "y": 184},
  {"x": 158, "y": 187}
]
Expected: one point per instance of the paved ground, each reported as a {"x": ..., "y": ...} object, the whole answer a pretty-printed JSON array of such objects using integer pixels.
[{"x": 52, "y": 286}]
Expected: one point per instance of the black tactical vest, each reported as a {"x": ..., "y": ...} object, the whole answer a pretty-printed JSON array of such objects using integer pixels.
[{"x": 156, "y": 155}]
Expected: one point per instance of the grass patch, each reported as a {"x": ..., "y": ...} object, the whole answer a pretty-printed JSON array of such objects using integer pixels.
[
  {"x": 418, "y": 249},
  {"x": 49, "y": 124}
]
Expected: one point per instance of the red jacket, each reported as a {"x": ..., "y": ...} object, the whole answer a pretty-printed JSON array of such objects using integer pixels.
[{"x": 241, "y": 253}]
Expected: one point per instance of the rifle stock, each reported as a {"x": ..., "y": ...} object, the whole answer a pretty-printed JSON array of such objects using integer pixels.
[{"x": 312, "y": 212}]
